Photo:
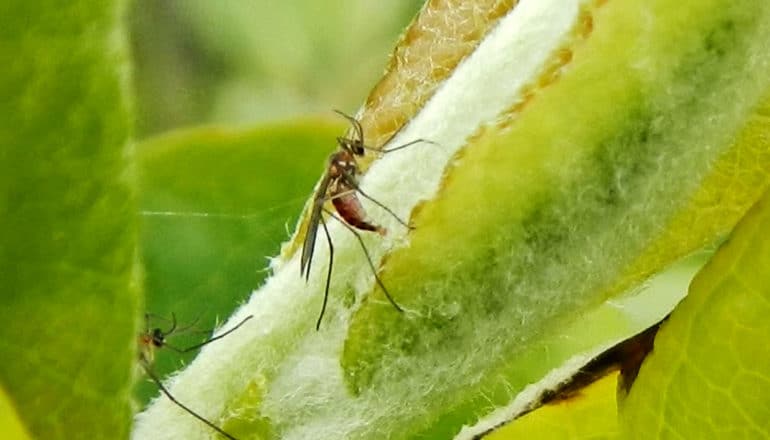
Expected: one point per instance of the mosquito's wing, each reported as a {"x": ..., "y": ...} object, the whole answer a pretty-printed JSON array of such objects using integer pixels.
[{"x": 308, "y": 245}]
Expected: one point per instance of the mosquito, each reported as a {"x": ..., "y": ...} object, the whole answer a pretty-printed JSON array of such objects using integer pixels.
[
  {"x": 152, "y": 339},
  {"x": 340, "y": 186}
]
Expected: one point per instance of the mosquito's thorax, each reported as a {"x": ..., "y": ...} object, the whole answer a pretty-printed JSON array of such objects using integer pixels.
[
  {"x": 146, "y": 348},
  {"x": 342, "y": 164}
]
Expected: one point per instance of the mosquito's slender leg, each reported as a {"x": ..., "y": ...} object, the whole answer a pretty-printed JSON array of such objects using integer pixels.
[
  {"x": 328, "y": 275},
  {"x": 399, "y": 147},
  {"x": 339, "y": 195},
  {"x": 209, "y": 341},
  {"x": 146, "y": 323},
  {"x": 368, "y": 259},
  {"x": 356, "y": 188},
  {"x": 360, "y": 132},
  {"x": 388, "y": 210},
  {"x": 408, "y": 144},
  {"x": 168, "y": 394}
]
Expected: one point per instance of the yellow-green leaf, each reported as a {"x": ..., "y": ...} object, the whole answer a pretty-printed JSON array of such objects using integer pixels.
[
  {"x": 11, "y": 427},
  {"x": 707, "y": 376},
  {"x": 590, "y": 414}
]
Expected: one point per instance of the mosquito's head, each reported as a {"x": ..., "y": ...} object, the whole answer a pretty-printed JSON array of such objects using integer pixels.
[
  {"x": 158, "y": 338},
  {"x": 354, "y": 146}
]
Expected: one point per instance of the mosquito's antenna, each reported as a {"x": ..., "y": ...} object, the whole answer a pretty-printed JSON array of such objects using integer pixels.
[
  {"x": 175, "y": 329},
  {"x": 168, "y": 394},
  {"x": 173, "y": 324},
  {"x": 189, "y": 326},
  {"x": 209, "y": 341},
  {"x": 368, "y": 259},
  {"x": 328, "y": 275},
  {"x": 356, "y": 125}
]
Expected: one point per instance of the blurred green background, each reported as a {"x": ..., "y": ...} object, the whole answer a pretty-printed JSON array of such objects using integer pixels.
[
  {"x": 233, "y": 103},
  {"x": 248, "y": 61}
]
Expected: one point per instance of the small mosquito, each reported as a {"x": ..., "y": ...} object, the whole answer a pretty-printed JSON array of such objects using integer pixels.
[
  {"x": 340, "y": 186},
  {"x": 152, "y": 339}
]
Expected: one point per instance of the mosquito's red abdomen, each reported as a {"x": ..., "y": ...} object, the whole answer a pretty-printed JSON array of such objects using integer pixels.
[{"x": 351, "y": 210}]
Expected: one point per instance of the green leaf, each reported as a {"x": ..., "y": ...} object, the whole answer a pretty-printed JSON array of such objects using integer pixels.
[
  {"x": 67, "y": 249},
  {"x": 215, "y": 204},
  {"x": 707, "y": 376}
]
